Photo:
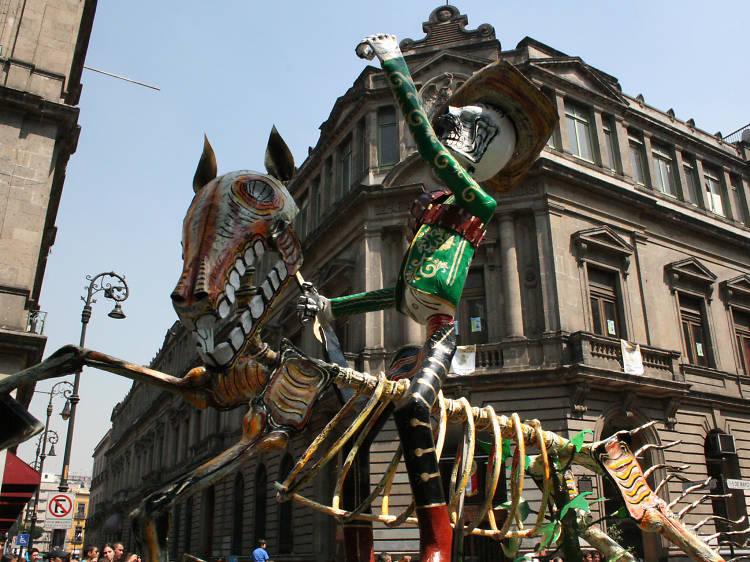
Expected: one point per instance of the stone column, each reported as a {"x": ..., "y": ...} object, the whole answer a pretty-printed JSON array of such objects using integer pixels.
[
  {"x": 413, "y": 332},
  {"x": 511, "y": 283},
  {"x": 374, "y": 350},
  {"x": 600, "y": 151},
  {"x": 546, "y": 257},
  {"x": 623, "y": 145}
]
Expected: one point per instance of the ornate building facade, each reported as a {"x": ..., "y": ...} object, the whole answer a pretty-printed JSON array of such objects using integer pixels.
[
  {"x": 630, "y": 230},
  {"x": 43, "y": 45}
]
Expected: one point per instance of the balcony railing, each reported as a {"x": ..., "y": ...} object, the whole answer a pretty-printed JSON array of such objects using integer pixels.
[
  {"x": 743, "y": 133},
  {"x": 576, "y": 348}
]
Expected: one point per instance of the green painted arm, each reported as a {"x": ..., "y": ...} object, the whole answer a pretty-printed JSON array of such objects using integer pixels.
[
  {"x": 364, "y": 302},
  {"x": 467, "y": 192}
]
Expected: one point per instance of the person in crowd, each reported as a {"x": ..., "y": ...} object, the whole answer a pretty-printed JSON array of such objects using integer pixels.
[
  {"x": 91, "y": 553},
  {"x": 9, "y": 558},
  {"x": 260, "y": 554},
  {"x": 57, "y": 554},
  {"x": 383, "y": 557},
  {"x": 119, "y": 549},
  {"x": 34, "y": 554},
  {"x": 108, "y": 553}
]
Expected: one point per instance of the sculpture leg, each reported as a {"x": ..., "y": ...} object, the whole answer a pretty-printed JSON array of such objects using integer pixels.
[
  {"x": 412, "y": 417},
  {"x": 151, "y": 519},
  {"x": 358, "y": 535}
]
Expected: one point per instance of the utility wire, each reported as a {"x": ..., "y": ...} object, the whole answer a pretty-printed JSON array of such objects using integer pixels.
[{"x": 122, "y": 78}]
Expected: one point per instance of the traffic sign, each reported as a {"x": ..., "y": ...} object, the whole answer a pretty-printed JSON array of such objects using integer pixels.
[
  {"x": 22, "y": 540},
  {"x": 738, "y": 484},
  {"x": 59, "y": 512}
]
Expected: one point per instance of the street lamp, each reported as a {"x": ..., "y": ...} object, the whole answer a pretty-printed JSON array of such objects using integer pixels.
[
  {"x": 48, "y": 436},
  {"x": 115, "y": 288}
]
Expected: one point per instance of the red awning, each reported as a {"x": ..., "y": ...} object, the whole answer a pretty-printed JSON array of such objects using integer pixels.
[{"x": 20, "y": 481}]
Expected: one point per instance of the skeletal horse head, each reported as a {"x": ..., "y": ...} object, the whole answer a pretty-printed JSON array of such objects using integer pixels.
[{"x": 232, "y": 222}]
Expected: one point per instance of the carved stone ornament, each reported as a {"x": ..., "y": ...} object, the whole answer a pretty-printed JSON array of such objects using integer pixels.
[
  {"x": 629, "y": 403},
  {"x": 690, "y": 273},
  {"x": 578, "y": 398},
  {"x": 671, "y": 412}
]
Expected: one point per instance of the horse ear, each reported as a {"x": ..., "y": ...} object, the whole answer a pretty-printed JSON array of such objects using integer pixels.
[
  {"x": 279, "y": 160},
  {"x": 206, "y": 170}
]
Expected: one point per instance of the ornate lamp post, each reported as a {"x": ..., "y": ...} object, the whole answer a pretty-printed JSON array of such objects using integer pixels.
[
  {"x": 115, "y": 288},
  {"x": 48, "y": 436}
]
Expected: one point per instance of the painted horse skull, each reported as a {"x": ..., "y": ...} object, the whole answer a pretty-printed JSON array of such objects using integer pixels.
[{"x": 232, "y": 222}]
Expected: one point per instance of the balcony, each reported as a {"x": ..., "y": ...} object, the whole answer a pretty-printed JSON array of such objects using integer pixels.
[
  {"x": 579, "y": 348},
  {"x": 35, "y": 322}
]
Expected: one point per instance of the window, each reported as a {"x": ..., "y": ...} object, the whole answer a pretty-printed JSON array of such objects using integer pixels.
[
  {"x": 188, "y": 525},
  {"x": 301, "y": 227},
  {"x": 330, "y": 183},
  {"x": 471, "y": 327},
  {"x": 742, "y": 333},
  {"x": 610, "y": 143},
  {"x": 691, "y": 178},
  {"x": 605, "y": 318},
  {"x": 260, "y": 503},
  {"x": 315, "y": 208},
  {"x": 579, "y": 132},
  {"x": 286, "y": 528},
  {"x": 694, "y": 332},
  {"x": 387, "y": 136},
  {"x": 714, "y": 191},
  {"x": 345, "y": 164},
  {"x": 207, "y": 527},
  {"x": 738, "y": 198},
  {"x": 238, "y": 513},
  {"x": 362, "y": 142},
  {"x": 722, "y": 464},
  {"x": 664, "y": 171},
  {"x": 638, "y": 158}
]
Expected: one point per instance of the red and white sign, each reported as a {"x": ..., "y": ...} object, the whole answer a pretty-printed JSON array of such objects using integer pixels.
[{"x": 59, "y": 511}]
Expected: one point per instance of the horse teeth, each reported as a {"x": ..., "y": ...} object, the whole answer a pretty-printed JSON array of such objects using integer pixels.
[
  {"x": 246, "y": 322},
  {"x": 281, "y": 268},
  {"x": 224, "y": 308},
  {"x": 249, "y": 257},
  {"x": 223, "y": 354},
  {"x": 273, "y": 277},
  {"x": 206, "y": 358},
  {"x": 259, "y": 249},
  {"x": 267, "y": 290},
  {"x": 229, "y": 291},
  {"x": 257, "y": 307},
  {"x": 234, "y": 278},
  {"x": 237, "y": 338},
  {"x": 239, "y": 265}
]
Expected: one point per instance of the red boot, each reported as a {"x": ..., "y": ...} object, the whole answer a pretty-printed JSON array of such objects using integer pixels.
[{"x": 435, "y": 534}]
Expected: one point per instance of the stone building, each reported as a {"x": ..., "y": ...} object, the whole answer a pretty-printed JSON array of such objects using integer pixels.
[
  {"x": 630, "y": 230},
  {"x": 43, "y": 45}
]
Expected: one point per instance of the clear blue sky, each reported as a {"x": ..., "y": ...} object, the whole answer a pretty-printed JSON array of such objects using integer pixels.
[{"x": 232, "y": 69}]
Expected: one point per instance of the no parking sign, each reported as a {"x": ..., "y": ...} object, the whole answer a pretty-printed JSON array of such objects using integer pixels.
[{"x": 59, "y": 512}]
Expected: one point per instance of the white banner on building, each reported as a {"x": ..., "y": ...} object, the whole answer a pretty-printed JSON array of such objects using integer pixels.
[
  {"x": 464, "y": 360},
  {"x": 632, "y": 362}
]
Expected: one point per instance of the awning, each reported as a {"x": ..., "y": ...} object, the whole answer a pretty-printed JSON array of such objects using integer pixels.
[{"x": 20, "y": 481}]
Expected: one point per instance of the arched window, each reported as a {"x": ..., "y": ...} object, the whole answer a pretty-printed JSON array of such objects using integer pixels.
[
  {"x": 722, "y": 465},
  {"x": 207, "y": 530},
  {"x": 260, "y": 503},
  {"x": 238, "y": 508},
  {"x": 286, "y": 529}
]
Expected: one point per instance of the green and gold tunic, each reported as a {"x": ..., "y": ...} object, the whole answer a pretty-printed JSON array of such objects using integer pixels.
[{"x": 434, "y": 269}]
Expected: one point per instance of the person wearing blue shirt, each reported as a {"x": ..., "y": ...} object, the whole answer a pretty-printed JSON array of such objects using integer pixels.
[{"x": 260, "y": 554}]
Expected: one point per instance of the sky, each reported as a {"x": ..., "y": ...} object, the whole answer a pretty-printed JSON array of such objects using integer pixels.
[{"x": 234, "y": 68}]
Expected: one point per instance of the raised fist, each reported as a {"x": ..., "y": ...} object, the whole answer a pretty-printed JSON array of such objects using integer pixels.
[{"x": 383, "y": 45}]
